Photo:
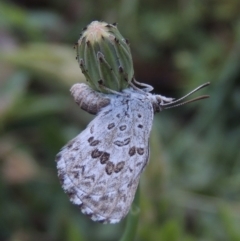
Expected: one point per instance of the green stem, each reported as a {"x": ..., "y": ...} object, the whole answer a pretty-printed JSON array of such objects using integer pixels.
[{"x": 132, "y": 219}]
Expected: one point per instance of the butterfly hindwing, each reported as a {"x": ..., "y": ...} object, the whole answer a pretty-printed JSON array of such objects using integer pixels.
[{"x": 101, "y": 167}]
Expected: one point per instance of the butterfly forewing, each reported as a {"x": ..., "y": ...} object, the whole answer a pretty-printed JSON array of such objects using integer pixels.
[{"x": 101, "y": 167}]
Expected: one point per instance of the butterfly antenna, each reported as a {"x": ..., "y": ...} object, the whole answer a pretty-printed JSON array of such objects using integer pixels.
[
  {"x": 172, "y": 104},
  {"x": 187, "y": 102}
]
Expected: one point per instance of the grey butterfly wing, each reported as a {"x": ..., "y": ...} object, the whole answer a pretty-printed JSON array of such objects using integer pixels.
[{"x": 101, "y": 167}]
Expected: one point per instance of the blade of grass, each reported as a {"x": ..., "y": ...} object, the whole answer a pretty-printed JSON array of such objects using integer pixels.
[{"x": 132, "y": 219}]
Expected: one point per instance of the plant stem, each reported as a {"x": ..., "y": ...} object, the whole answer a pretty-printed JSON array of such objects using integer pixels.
[{"x": 132, "y": 219}]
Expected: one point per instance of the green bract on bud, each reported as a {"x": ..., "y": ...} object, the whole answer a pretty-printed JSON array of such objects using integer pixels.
[{"x": 104, "y": 57}]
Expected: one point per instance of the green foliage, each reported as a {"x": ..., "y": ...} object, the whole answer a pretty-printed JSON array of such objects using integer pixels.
[{"x": 190, "y": 189}]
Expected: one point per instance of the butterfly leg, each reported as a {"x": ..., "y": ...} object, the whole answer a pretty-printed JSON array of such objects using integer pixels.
[
  {"x": 101, "y": 85},
  {"x": 147, "y": 88}
]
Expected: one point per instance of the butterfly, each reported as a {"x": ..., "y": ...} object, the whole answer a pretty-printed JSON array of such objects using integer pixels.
[{"x": 100, "y": 168}]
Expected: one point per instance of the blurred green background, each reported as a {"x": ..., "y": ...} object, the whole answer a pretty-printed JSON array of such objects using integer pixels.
[{"x": 190, "y": 190}]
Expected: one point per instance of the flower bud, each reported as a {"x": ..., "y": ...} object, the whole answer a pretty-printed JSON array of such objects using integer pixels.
[{"x": 104, "y": 57}]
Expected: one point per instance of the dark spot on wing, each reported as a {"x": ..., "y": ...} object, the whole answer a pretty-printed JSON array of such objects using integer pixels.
[
  {"x": 139, "y": 115},
  {"x": 83, "y": 169},
  {"x": 122, "y": 143},
  {"x": 95, "y": 143},
  {"x": 109, "y": 168},
  {"x": 110, "y": 126},
  {"x": 140, "y": 151},
  {"x": 92, "y": 129},
  {"x": 75, "y": 174},
  {"x": 138, "y": 164},
  {"x": 96, "y": 153},
  {"x": 71, "y": 192},
  {"x": 104, "y": 158},
  {"x": 140, "y": 126},
  {"x": 123, "y": 127},
  {"x": 132, "y": 151},
  {"x": 90, "y": 139},
  {"x": 119, "y": 166}
]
